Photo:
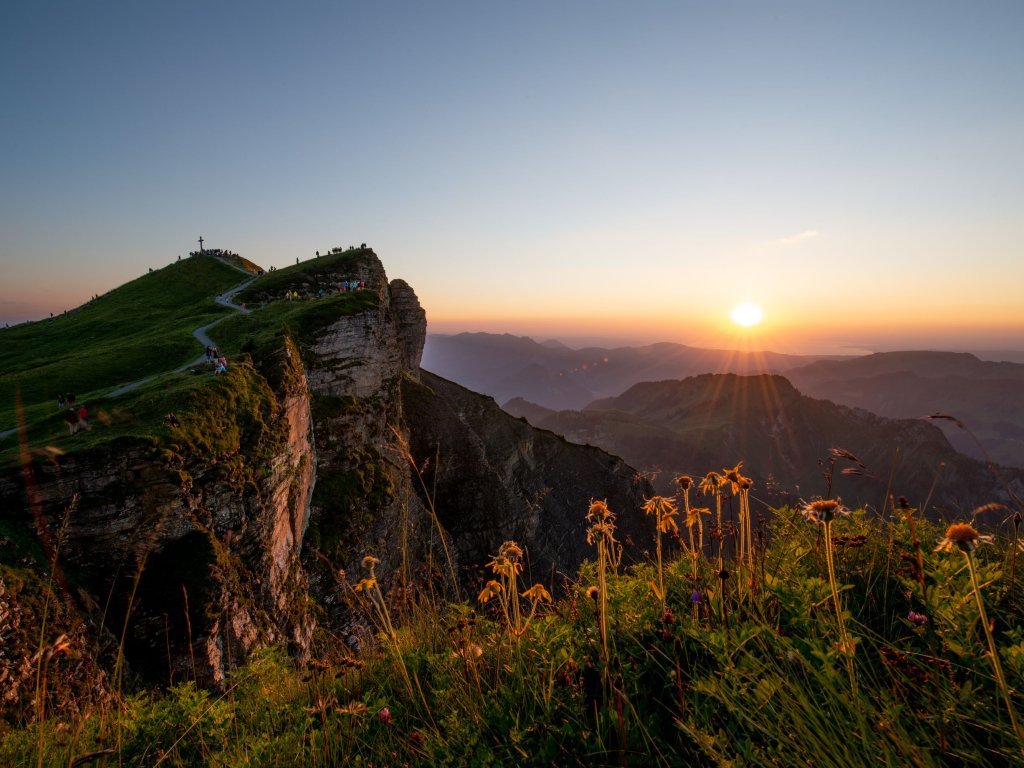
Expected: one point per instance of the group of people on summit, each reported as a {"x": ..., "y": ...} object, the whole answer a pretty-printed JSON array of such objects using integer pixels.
[{"x": 217, "y": 360}]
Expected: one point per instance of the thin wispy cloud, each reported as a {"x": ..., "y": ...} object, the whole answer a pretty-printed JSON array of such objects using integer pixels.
[{"x": 807, "y": 234}]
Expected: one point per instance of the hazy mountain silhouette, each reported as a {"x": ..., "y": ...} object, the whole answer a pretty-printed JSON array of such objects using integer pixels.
[
  {"x": 987, "y": 396},
  {"x": 556, "y": 376},
  {"x": 712, "y": 421}
]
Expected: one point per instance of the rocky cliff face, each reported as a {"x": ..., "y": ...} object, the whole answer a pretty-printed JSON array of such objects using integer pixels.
[
  {"x": 498, "y": 478},
  {"x": 247, "y": 525},
  {"x": 204, "y": 547}
]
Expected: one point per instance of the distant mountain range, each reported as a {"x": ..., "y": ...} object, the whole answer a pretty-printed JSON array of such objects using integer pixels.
[
  {"x": 556, "y": 376},
  {"x": 987, "y": 397},
  {"x": 712, "y": 421}
]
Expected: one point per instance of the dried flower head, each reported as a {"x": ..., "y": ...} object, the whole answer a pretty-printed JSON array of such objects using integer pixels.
[
  {"x": 962, "y": 536},
  {"x": 599, "y": 512},
  {"x": 593, "y": 593},
  {"x": 685, "y": 482},
  {"x": 659, "y": 505},
  {"x": 712, "y": 483},
  {"x": 369, "y": 562},
  {"x": 665, "y": 509},
  {"x": 510, "y": 549},
  {"x": 824, "y": 510},
  {"x": 602, "y": 524}
]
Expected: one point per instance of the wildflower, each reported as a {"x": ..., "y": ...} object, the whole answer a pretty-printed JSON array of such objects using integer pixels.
[
  {"x": 385, "y": 716},
  {"x": 593, "y": 593},
  {"x": 732, "y": 477},
  {"x": 537, "y": 594},
  {"x": 665, "y": 510},
  {"x": 365, "y": 585},
  {"x": 598, "y": 511},
  {"x": 508, "y": 561},
  {"x": 491, "y": 589},
  {"x": 369, "y": 562},
  {"x": 711, "y": 483},
  {"x": 602, "y": 523},
  {"x": 668, "y": 617},
  {"x": 824, "y": 510},
  {"x": 685, "y": 482},
  {"x": 963, "y": 537},
  {"x": 693, "y": 515},
  {"x": 695, "y": 597},
  {"x": 917, "y": 619}
]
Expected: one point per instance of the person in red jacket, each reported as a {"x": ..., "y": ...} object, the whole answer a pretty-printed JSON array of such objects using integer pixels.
[{"x": 83, "y": 418}]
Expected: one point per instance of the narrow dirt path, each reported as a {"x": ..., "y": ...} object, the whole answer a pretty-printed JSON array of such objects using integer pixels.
[{"x": 225, "y": 300}]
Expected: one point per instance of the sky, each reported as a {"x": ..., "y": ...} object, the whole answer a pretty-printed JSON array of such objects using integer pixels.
[{"x": 618, "y": 170}]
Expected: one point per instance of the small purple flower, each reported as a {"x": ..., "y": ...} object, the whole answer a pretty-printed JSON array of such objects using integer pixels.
[
  {"x": 695, "y": 597},
  {"x": 917, "y": 619}
]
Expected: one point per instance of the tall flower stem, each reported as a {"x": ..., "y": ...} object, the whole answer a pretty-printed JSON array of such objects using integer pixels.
[
  {"x": 996, "y": 664},
  {"x": 844, "y": 638}
]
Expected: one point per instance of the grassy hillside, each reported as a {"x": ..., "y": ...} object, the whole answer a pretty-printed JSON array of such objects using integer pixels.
[{"x": 143, "y": 327}]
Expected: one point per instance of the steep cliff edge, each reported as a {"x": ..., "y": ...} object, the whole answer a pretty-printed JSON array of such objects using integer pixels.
[
  {"x": 242, "y": 520},
  {"x": 498, "y": 478}
]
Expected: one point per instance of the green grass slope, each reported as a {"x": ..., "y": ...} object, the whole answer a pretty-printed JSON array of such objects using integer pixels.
[{"x": 142, "y": 328}]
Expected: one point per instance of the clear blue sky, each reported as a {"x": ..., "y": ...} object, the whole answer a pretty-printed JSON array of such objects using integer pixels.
[{"x": 575, "y": 168}]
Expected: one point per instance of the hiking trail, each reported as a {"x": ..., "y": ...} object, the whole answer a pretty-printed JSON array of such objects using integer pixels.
[{"x": 200, "y": 334}]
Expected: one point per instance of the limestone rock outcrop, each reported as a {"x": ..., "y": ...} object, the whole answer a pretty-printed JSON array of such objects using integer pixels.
[{"x": 247, "y": 526}]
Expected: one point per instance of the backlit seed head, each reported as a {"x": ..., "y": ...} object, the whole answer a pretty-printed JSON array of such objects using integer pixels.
[
  {"x": 510, "y": 549},
  {"x": 824, "y": 510},
  {"x": 962, "y": 536}
]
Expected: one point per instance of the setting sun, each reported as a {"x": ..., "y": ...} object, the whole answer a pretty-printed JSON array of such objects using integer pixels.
[{"x": 747, "y": 314}]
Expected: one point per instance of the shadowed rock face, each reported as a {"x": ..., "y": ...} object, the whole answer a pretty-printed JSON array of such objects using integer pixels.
[
  {"x": 218, "y": 552},
  {"x": 203, "y": 549},
  {"x": 498, "y": 478}
]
